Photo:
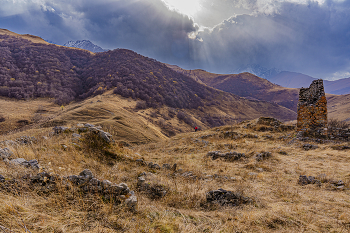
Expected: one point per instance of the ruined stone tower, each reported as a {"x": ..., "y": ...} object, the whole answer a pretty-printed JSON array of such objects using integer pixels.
[{"x": 312, "y": 110}]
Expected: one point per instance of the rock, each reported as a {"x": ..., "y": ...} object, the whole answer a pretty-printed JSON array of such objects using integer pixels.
[
  {"x": 141, "y": 162},
  {"x": 26, "y": 140},
  {"x": 87, "y": 174},
  {"x": 89, "y": 125},
  {"x": 131, "y": 202},
  {"x": 229, "y": 156},
  {"x": 263, "y": 155},
  {"x": 75, "y": 135},
  {"x": 5, "y": 153},
  {"x": 153, "y": 165},
  {"x": 2, "y": 179},
  {"x": 309, "y": 147},
  {"x": 32, "y": 163},
  {"x": 166, "y": 166},
  {"x": 60, "y": 129},
  {"x": 19, "y": 161},
  {"x": 305, "y": 180},
  {"x": 226, "y": 198}
]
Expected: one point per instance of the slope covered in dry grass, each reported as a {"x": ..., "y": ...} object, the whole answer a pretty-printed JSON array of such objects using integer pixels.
[{"x": 279, "y": 203}]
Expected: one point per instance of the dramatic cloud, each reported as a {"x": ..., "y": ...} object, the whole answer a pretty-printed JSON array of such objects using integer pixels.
[
  {"x": 305, "y": 36},
  {"x": 311, "y": 38}
]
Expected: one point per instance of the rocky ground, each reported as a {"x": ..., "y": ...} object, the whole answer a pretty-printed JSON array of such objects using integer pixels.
[{"x": 256, "y": 176}]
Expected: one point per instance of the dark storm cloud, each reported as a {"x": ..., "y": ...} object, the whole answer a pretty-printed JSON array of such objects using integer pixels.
[
  {"x": 310, "y": 38},
  {"x": 304, "y": 37},
  {"x": 146, "y": 26}
]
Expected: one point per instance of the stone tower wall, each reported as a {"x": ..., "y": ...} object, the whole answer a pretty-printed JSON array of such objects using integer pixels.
[{"x": 312, "y": 110}]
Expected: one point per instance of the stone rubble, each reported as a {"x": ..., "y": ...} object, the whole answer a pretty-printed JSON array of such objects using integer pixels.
[
  {"x": 226, "y": 198},
  {"x": 86, "y": 182},
  {"x": 229, "y": 156},
  {"x": 263, "y": 155},
  {"x": 151, "y": 186}
]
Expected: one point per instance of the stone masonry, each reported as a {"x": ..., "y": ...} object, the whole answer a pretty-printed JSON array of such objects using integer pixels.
[{"x": 312, "y": 110}]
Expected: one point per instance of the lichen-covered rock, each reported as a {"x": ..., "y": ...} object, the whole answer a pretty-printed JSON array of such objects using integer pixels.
[
  {"x": 226, "y": 198},
  {"x": 26, "y": 140},
  {"x": 60, "y": 129},
  {"x": 131, "y": 202},
  {"x": 229, "y": 156},
  {"x": 5, "y": 153},
  {"x": 305, "y": 180},
  {"x": 263, "y": 155},
  {"x": 153, "y": 165},
  {"x": 309, "y": 147},
  {"x": 28, "y": 164}
]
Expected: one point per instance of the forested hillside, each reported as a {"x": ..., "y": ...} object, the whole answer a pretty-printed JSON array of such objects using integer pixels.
[{"x": 30, "y": 70}]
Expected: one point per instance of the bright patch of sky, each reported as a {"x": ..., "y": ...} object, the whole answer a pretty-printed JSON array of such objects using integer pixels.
[{"x": 187, "y": 7}]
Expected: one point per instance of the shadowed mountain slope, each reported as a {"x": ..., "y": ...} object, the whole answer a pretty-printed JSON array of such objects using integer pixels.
[
  {"x": 246, "y": 85},
  {"x": 30, "y": 70}
]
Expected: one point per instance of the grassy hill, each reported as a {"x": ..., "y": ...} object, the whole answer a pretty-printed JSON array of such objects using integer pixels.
[
  {"x": 275, "y": 200},
  {"x": 246, "y": 85}
]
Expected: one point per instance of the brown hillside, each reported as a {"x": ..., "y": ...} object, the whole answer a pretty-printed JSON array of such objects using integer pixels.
[
  {"x": 129, "y": 123},
  {"x": 246, "y": 85},
  {"x": 267, "y": 193},
  {"x": 32, "y": 70},
  {"x": 339, "y": 107}
]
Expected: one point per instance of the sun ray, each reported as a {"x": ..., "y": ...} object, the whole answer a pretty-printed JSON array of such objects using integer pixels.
[{"x": 187, "y": 7}]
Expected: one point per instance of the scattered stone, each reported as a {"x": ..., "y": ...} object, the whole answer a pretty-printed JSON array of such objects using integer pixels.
[
  {"x": 26, "y": 140},
  {"x": 75, "y": 135},
  {"x": 60, "y": 129},
  {"x": 341, "y": 147},
  {"x": 166, "y": 166},
  {"x": 28, "y": 164},
  {"x": 305, "y": 180},
  {"x": 226, "y": 198},
  {"x": 229, "y": 156},
  {"x": 141, "y": 162},
  {"x": 282, "y": 152},
  {"x": 153, "y": 165},
  {"x": 309, "y": 147},
  {"x": 2, "y": 179},
  {"x": 150, "y": 185},
  {"x": 5, "y": 153},
  {"x": 263, "y": 155}
]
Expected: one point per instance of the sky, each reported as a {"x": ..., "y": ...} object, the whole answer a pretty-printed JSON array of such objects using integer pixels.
[{"x": 306, "y": 36}]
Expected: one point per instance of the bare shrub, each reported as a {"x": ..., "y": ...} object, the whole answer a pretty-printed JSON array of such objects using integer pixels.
[
  {"x": 334, "y": 123},
  {"x": 141, "y": 104},
  {"x": 182, "y": 116}
]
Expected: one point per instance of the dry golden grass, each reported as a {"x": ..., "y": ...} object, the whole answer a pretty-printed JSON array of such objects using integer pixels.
[{"x": 280, "y": 204}]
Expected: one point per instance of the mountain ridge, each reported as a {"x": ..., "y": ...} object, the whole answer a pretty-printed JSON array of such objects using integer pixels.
[{"x": 85, "y": 44}]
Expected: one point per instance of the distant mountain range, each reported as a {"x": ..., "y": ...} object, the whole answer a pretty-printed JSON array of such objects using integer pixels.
[
  {"x": 85, "y": 44},
  {"x": 296, "y": 80}
]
